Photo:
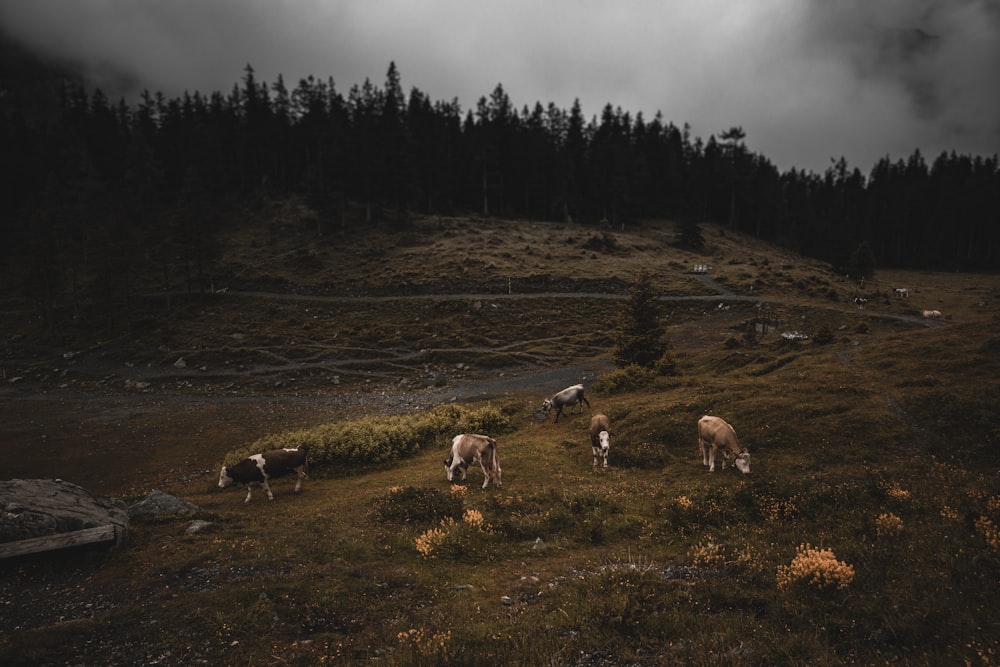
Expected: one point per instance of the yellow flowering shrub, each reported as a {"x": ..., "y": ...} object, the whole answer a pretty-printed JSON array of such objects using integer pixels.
[
  {"x": 684, "y": 502},
  {"x": 474, "y": 518},
  {"x": 430, "y": 540},
  {"x": 990, "y": 532},
  {"x": 707, "y": 554},
  {"x": 888, "y": 525},
  {"x": 775, "y": 510},
  {"x": 949, "y": 513},
  {"x": 895, "y": 491},
  {"x": 426, "y": 644},
  {"x": 454, "y": 535},
  {"x": 817, "y": 567}
]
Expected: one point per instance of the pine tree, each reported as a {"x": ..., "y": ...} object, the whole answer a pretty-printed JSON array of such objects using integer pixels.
[
  {"x": 862, "y": 261},
  {"x": 640, "y": 339}
]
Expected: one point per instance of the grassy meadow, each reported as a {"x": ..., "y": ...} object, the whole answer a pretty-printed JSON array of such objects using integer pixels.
[{"x": 868, "y": 531}]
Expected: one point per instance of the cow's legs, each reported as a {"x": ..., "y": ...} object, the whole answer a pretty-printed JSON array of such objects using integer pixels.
[
  {"x": 704, "y": 454},
  {"x": 270, "y": 496},
  {"x": 597, "y": 453},
  {"x": 302, "y": 475},
  {"x": 581, "y": 402},
  {"x": 249, "y": 491}
]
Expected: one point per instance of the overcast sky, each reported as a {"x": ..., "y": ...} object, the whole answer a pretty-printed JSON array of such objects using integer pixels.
[{"x": 808, "y": 80}]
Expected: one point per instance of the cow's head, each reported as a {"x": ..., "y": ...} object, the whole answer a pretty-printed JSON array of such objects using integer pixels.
[
  {"x": 449, "y": 471},
  {"x": 225, "y": 479},
  {"x": 743, "y": 462},
  {"x": 605, "y": 439},
  {"x": 546, "y": 406}
]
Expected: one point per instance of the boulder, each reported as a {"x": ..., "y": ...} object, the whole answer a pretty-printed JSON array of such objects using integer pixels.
[
  {"x": 37, "y": 508},
  {"x": 158, "y": 503}
]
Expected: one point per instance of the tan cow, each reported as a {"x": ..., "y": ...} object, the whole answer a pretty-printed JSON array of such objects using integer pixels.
[
  {"x": 469, "y": 448},
  {"x": 600, "y": 437},
  {"x": 715, "y": 435}
]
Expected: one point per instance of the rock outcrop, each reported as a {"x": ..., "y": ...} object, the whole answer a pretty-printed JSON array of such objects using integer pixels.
[{"x": 33, "y": 508}]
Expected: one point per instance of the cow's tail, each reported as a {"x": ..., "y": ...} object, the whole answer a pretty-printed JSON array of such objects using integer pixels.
[{"x": 495, "y": 467}]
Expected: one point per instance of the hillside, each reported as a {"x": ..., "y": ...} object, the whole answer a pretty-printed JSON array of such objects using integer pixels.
[{"x": 874, "y": 442}]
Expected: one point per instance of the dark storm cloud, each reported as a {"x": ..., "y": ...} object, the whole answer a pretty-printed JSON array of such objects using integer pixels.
[{"x": 808, "y": 80}]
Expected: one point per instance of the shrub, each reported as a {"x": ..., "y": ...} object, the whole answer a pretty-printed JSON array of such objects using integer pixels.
[
  {"x": 413, "y": 505},
  {"x": 372, "y": 440},
  {"x": 629, "y": 378},
  {"x": 888, "y": 525},
  {"x": 454, "y": 539},
  {"x": 824, "y": 337},
  {"x": 816, "y": 567}
]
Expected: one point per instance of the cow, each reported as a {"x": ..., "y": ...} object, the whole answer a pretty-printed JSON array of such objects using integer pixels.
[
  {"x": 860, "y": 302},
  {"x": 716, "y": 435},
  {"x": 259, "y": 468},
  {"x": 932, "y": 314},
  {"x": 469, "y": 448},
  {"x": 902, "y": 292},
  {"x": 600, "y": 438},
  {"x": 566, "y": 398}
]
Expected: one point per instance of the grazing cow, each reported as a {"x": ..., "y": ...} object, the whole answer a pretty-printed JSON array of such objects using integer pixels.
[
  {"x": 932, "y": 314},
  {"x": 600, "y": 438},
  {"x": 860, "y": 302},
  {"x": 902, "y": 292},
  {"x": 716, "y": 435},
  {"x": 259, "y": 468},
  {"x": 566, "y": 398},
  {"x": 469, "y": 448}
]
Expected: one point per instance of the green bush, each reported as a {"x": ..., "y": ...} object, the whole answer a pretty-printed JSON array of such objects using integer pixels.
[
  {"x": 375, "y": 440},
  {"x": 630, "y": 378}
]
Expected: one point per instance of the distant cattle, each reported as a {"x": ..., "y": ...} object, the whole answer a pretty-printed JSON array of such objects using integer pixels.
[
  {"x": 932, "y": 314},
  {"x": 902, "y": 292},
  {"x": 469, "y": 448},
  {"x": 716, "y": 436},
  {"x": 600, "y": 438},
  {"x": 860, "y": 302},
  {"x": 566, "y": 398},
  {"x": 259, "y": 468}
]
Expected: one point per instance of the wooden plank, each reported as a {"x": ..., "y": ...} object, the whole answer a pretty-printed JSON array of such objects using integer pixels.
[{"x": 57, "y": 541}]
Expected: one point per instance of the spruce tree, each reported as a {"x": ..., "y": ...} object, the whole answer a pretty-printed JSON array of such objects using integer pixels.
[{"x": 640, "y": 339}]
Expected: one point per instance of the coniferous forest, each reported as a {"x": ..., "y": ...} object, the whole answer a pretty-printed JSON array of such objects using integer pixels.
[{"x": 86, "y": 177}]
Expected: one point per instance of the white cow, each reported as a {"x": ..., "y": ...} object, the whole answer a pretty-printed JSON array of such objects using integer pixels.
[
  {"x": 469, "y": 448},
  {"x": 932, "y": 314},
  {"x": 600, "y": 438},
  {"x": 716, "y": 435},
  {"x": 566, "y": 398},
  {"x": 902, "y": 292}
]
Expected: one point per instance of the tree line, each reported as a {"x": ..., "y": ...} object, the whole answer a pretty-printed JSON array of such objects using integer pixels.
[{"x": 92, "y": 168}]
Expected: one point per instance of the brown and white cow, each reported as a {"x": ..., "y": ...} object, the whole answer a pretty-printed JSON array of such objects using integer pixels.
[
  {"x": 600, "y": 438},
  {"x": 715, "y": 435},
  {"x": 566, "y": 398},
  {"x": 469, "y": 448},
  {"x": 259, "y": 468}
]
